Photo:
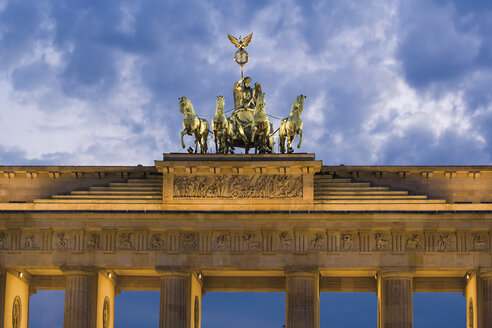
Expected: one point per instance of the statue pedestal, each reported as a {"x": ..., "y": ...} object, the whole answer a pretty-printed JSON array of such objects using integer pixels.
[{"x": 238, "y": 182}]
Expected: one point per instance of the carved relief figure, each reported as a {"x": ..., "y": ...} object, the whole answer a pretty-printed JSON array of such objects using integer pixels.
[
  {"x": 470, "y": 313},
  {"x": 30, "y": 241},
  {"x": 16, "y": 312},
  {"x": 415, "y": 242},
  {"x": 62, "y": 242},
  {"x": 3, "y": 239},
  {"x": 156, "y": 241},
  {"x": 381, "y": 242},
  {"x": 317, "y": 242},
  {"x": 443, "y": 242},
  {"x": 94, "y": 241},
  {"x": 348, "y": 242},
  {"x": 222, "y": 241},
  {"x": 479, "y": 244},
  {"x": 251, "y": 241},
  {"x": 126, "y": 240},
  {"x": 285, "y": 240},
  {"x": 238, "y": 186},
  {"x": 189, "y": 241},
  {"x": 106, "y": 312}
]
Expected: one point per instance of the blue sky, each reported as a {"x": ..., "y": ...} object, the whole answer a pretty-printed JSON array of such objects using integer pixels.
[{"x": 387, "y": 81}]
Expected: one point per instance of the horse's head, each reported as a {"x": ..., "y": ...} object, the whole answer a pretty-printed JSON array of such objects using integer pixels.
[
  {"x": 185, "y": 105},
  {"x": 260, "y": 101},
  {"x": 298, "y": 104},
  {"x": 220, "y": 104}
]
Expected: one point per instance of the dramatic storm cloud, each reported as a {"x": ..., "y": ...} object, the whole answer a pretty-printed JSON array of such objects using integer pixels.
[{"x": 388, "y": 82}]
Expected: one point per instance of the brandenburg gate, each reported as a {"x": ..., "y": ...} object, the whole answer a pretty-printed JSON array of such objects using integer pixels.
[
  {"x": 264, "y": 222},
  {"x": 274, "y": 222}
]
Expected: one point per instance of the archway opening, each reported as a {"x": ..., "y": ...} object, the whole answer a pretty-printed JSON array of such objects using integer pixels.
[
  {"x": 439, "y": 310},
  {"x": 348, "y": 309},
  {"x": 137, "y": 309},
  {"x": 243, "y": 310},
  {"x": 46, "y": 309}
]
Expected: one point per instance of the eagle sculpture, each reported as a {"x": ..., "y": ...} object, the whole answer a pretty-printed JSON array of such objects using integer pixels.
[{"x": 241, "y": 44}]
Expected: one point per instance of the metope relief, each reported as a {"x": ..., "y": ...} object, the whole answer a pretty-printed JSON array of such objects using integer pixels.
[
  {"x": 479, "y": 242},
  {"x": 446, "y": 242},
  {"x": 317, "y": 241},
  {"x": 30, "y": 240},
  {"x": 415, "y": 242},
  {"x": 125, "y": 240},
  {"x": 350, "y": 242},
  {"x": 189, "y": 241},
  {"x": 252, "y": 241},
  {"x": 238, "y": 186},
  {"x": 93, "y": 241},
  {"x": 381, "y": 242},
  {"x": 156, "y": 241},
  {"x": 221, "y": 241},
  {"x": 61, "y": 240},
  {"x": 4, "y": 239},
  {"x": 285, "y": 241}
]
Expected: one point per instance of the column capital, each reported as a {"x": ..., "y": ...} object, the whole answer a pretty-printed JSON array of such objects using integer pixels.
[
  {"x": 174, "y": 271},
  {"x": 388, "y": 274},
  {"x": 485, "y": 273},
  {"x": 78, "y": 270},
  {"x": 301, "y": 271}
]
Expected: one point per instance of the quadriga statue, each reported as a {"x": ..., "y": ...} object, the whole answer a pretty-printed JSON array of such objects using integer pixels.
[
  {"x": 193, "y": 125},
  {"x": 292, "y": 126}
]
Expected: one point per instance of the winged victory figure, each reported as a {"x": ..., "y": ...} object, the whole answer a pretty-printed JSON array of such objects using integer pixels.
[{"x": 241, "y": 44}]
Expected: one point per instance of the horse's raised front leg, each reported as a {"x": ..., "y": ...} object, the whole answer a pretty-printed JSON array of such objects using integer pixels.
[
  {"x": 182, "y": 142},
  {"x": 300, "y": 138}
]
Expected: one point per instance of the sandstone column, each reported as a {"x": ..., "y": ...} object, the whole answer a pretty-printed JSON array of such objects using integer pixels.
[
  {"x": 302, "y": 300},
  {"x": 14, "y": 298},
  {"x": 479, "y": 299},
  {"x": 181, "y": 294},
  {"x": 395, "y": 300},
  {"x": 486, "y": 299},
  {"x": 80, "y": 299}
]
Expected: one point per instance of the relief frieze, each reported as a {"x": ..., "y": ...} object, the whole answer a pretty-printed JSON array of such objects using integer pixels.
[
  {"x": 221, "y": 241},
  {"x": 238, "y": 186},
  {"x": 382, "y": 242},
  {"x": 479, "y": 242},
  {"x": 4, "y": 236},
  {"x": 156, "y": 241},
  {"x": 286, "y": 241}
]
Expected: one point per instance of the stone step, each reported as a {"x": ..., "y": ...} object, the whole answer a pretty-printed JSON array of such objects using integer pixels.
[
  {"x": 373, "y": 197},
  {"x": 380, "y": 201},
  {"x": 358, "y": 192},
  {"x": 323, "y": 176},
  {"x": 106, "y": 196},
  {"x": 116, "y": 192},
  {"x": 129, "y": 188},
  {"x": 149, "y": 180},
  {"x": 332, "y": 188},
  {"x": 131, "y": 185},
  {"x": 97, "y": 201},
  {"x": 333, "y": 180},
  {"x": 341, "y": 184}
]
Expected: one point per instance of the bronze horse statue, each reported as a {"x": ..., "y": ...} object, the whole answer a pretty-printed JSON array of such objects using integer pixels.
[
  {"x": 193, "y": 125},
  {"x": 261, "y": 128},
  {"x": 292, "y": 126},
  {"x": 222, "y": 129}
]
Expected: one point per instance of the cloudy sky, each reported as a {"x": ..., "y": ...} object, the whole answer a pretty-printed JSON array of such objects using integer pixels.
[{"x": 388, "y": 81}]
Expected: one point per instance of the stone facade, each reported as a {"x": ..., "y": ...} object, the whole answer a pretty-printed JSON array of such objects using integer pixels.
[{"x": 197, "y": 223}]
